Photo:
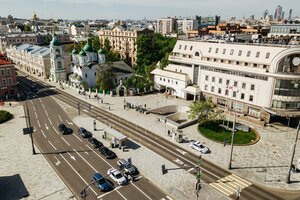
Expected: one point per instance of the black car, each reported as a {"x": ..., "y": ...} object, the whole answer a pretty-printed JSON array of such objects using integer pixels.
[
  {"x": 107, "y": 153},
  {"x": 64, "y": 130},
  {"x": 96, "y": 144},
  {"x": 84, "y": 133}
]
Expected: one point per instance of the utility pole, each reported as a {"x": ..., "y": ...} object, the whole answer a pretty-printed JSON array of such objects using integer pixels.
[
  {"x": 232, "y": 140},
  {"x": 31, "y": 129},
  {"x": 288, "y": 177}
]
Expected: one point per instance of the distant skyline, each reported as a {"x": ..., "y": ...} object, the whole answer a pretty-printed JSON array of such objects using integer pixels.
[{"x": 138, "y": 9}]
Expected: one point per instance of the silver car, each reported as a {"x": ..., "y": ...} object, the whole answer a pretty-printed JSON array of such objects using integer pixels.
[{"x": 124, "y": 164}]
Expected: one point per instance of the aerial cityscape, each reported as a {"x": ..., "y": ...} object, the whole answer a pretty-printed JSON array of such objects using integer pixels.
[{"x": 150, "y": 100}]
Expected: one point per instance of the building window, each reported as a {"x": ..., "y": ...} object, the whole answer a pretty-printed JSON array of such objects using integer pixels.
[
  {"x": 252, "y": 87},
  {"x": 209, "y": 50},
  {"x": 213, "y": 79},
  {"x": 168, "y": 80},
  {"x": 160, "y": 78},
  {"x": 206, "y": 78},
  {"x": 267, "y": 55},
  {"x": 251, "y": 98},
  {"x": 217, "y": 50},
  {"x": 197, "y": 54},
  {"x": 179, "y": 46},
  {"x": 191, "y": 48},
  {"x": 227, "y": 82},
  {"x": 240, "y": 53},
  {"x": 205, "y": 87},
  {"x": 176, "y": 83},
  {"x": 9, "y": 81},
  {"x": 3, "y": 81},
  {"x": 85, "y": 75},
  {"x": 219, "y": 90},
  {"x": 248, "y": 53},
  {"x": 242, "y": 96},
  {"x": 185, "y": 46},
  {"x": 8, "y": 71},
  {"x": 95, "y": 74},
  {"x": 234, "y": 94},
  {"x": 2, "y": 72},
  {"x": 212, "y": 89},
  {"x": 235, "y": 83},
  {"x": 224, "y": 51},
  {"x": 226, "y": 92},
  {"x": 220, "y": 81},
  {"x": 257, "y": 54},
  {"x": 231, "y": 52},
  {"x": 243, "y": 85}
]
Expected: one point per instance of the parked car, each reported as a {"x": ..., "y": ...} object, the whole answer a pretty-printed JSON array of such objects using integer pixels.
[
  {"x": 95, "y": 143},
  {"x": 64, "y": 130},
  {"x": 107, "y": 153},
  {"x": 116, "y": 175},
  {"x": 102, "y": 183},
  {"x": 128, "y": 167},
  {"x": 199, "y": 147},
  {"x": 84, "y": 133}
]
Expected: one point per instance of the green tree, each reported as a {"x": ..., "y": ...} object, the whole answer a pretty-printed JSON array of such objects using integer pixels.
[
  {"x": 85, "y": 85},
  {"x": 105, "y": 78},
  {"x": 96, "y": 43},
  {"x": 106, "y": 45},
  {"x": 204, "y": 111}
]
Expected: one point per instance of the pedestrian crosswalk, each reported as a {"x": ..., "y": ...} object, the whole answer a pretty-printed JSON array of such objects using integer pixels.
[{"x": 230, "y": 184}]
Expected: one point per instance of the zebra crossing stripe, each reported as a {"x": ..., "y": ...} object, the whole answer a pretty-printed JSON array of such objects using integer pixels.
[{"x": 221, "y": 189}]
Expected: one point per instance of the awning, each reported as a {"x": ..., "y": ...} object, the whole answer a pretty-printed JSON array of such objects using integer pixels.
[
  {"x": 192, "y": 89},
  {"x": 283, "y": 112}
]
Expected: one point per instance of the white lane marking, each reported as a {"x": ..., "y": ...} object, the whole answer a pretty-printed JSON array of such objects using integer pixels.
[
  {"x": 169, "y": 198},
  {"x": 38, "y": 123},
  {"x": 181, "y": 151},
  {"x": 65, "y": 141},
  {"x": 191, "y": 169},
  {"x": 46, "y": 126},
  {"x": 77, "y": 137},
  {"x": 78, "y": 174},
  {"x": 121, "y": 194},
  {"x": 60, "y": 117},
  {"x": 43, "y": 133},
  {"x": 87, "y": 153},
  {"x": 52, "y": 145},
  {"x": 243, "y": 180},
  {"x": 72, "y": 157},
  {"x": 56, "y": 131},
  {"x": 99, "y": 156},
  {"x": 99, "y": 197},
  {"x": 69, "y": 122},
  {"x": 85, "y": 160},
  {"x": 50, "y": 121},
  {"x": 178, "y": 161},
  {"x": 35, "y": 114},
  {"x": 57, "y": 161},
  {"x": 141, "y": 191},
  {"x": 34, "y": 129}
]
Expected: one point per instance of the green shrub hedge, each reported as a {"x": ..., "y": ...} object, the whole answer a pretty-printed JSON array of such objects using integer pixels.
[
  {"x": 5, "y": 116},
  {"x": 212, "y": 130}
]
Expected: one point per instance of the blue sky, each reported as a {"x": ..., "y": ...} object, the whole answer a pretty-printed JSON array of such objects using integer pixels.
[{"x": 138, "y": 9}]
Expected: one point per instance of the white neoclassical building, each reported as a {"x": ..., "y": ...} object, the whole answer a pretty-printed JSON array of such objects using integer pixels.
[{"x": 261, "y": 81}]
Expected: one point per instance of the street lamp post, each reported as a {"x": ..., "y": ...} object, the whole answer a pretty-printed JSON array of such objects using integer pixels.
[
  {"x": 288, "y": 177},
  {"x": 232, "y": 139},
  {"x": 29, "y": 126}
]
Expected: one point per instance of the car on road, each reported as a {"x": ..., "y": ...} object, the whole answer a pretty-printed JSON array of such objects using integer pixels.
[
  {"x": 64, "y": 129},
  {"x": 84, "y": 133},
  {"x": 107, "y": 153},
  {"x": 199, "y": 147},
  {"x": 95, "y": 143},
  {"x": 116, "y": 175},
  {"x": 101, "y": 182},
  {"x": 128, "y": 167}
]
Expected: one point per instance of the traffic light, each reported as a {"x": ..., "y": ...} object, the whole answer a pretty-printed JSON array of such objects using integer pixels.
[
  {"x": 163, "y": 169},
  {"x": 198, "y": 186}
]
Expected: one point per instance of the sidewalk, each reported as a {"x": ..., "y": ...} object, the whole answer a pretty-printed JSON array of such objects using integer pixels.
[{"x": 23, "y": 175}]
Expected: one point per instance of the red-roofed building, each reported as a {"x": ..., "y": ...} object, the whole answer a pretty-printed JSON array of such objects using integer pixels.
[{"x": 8, "y": 80}]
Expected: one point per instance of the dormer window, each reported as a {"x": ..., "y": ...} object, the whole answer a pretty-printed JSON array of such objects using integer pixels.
[
  {"x": 209, "y": 50},
  {"x": 248, "y": 53},
  {"x": 240, "y": 53},
  {"x": 191, "y": 48},
  {"x": 217, "y": 50},
  {"x": 257, "y": 54},
  {"x": 224, "y": 51},
  {"x": 231, "y": 52},
  {"x": 267, "y": 55},
  {"x": 180, "y": 46}
]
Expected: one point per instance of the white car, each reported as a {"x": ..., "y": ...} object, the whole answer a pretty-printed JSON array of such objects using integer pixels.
[
  {"x": 199, "y": 147},
  {"x": 116, "y": 175}
]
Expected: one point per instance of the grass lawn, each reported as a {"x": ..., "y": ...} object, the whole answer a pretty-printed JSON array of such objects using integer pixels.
[
  {"x": 213, "y": 131},
  {"x": 4, "y": 116}
]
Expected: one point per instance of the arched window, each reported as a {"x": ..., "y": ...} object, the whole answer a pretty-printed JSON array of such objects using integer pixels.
[
  {"x": 57, "y": 52},
  {"x": 59, "y": 64},
  {"x": 197, "y": 53}
]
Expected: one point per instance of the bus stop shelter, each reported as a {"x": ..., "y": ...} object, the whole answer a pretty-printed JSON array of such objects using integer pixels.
[{"x": 117, "y": 138}]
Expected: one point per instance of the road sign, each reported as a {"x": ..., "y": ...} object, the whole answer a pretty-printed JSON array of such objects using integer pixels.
[{"x": 28, "y": 130}]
